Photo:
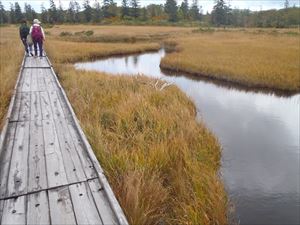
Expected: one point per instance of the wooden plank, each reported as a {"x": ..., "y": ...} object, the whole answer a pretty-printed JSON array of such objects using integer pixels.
[
  {"x": 37, "y": 178},
  {"x": 1, "y": 208},
  {"x": 14, "y": 211},
  {"x": 83, "y": 203},
  {"x": 56, "y": 174},
  {"x": 16, "y": 108},
  {"x": 18, "y": 176},
  {"x": 61, "y": 209},
  {"x": 25, "y": 106},
  {"x": 41, "y": 84},
  {"x": 46, "y": 106},
  {"x": 72, "y": 162},
  {"x": 5, "y": 158},
  {"x": 34, "y": 80},
  {"x": 87, "y": 164},
  {"x": 106, "y": 213},
  {"x": 57, "y": 110},
  {"x": 36, "y": 111},
  {"x": 38, "y": 208},
  {"x": 27, "y": 80}
]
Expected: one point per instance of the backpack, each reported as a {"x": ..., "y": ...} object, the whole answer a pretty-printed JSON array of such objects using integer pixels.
[
  {"x": 24, "y": 30},
  {"x": 36, "y": 33}
]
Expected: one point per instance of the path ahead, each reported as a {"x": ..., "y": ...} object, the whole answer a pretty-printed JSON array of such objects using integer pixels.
[{"x": 48, "y": 171}]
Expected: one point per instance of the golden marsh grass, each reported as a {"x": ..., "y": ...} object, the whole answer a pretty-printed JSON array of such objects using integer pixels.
[{"x": 264, "y": 60}]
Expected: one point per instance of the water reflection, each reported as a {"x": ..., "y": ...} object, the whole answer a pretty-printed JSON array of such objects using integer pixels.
[{"x": 259, "y": 134}]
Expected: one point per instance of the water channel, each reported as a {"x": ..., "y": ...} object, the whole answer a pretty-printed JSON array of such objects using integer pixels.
[{"x": 259, "y": 134}]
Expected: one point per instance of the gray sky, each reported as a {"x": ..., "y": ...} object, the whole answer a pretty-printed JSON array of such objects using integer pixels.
[{"x": 206, "y": 4}]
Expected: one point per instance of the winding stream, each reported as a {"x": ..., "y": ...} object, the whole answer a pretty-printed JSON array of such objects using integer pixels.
[{"x": 259, "y": 134}]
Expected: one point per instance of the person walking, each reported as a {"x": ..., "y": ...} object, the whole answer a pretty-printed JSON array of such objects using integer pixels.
[
  {"x": 38, "y": 37},
  {"x": 24, "y": 32}
]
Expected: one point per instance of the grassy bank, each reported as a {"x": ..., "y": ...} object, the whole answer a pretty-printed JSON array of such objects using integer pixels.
[
  {"x": 162, "y": 164},
  {"x": 248, "y": 58},
  {"x": 10, "y": 60}
]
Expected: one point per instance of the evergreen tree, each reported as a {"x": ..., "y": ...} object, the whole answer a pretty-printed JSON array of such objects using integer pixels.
[
  {"x": 185, "y": 9},
  {"x": 29, "y": 12},
  {"x": 125, "y": 8},
  {"x": 12, "y": 17},
  {"x": 195, "y": 11},
  {"x": 105, "y": 8},
  {"x": 171, "y": 10},
  {"x": 77, "y": 11},
  {"x": 135, "y": 8},
  {"x": 71, "y": 12},
  {"x": 18, "y": 13},
  {"x": 96, "y": 17},
  {"x": 52, "y": 12},
  {"x": 60, "y": 13},
  {"x": 286, "y": 4},
  {"x": 3, "y": 16},
  {"x": 87, "y": 10},
  {"x": 220, "y": 13},
  {"x": 44, "y": 14},
  {"x": 144, "y": 14}
]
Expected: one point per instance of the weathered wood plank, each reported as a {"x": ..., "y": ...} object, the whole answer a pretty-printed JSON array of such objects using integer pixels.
[
  {"x": 26, "y": 80},
  {"x": 37, "y": 178},
  {"x": 38, "y": 208},
  {"x": 72, "y": 162},
  {"x": 106, "y": 213},
  {"x": 16, "y": 108},
  {"x": 25, "y": 106},
  {"x": 14, "y": 211},
  {"x": 57, "y": 110},
  {"x": 5, "y": 158},
  {"x": 83, "y": 203},
  {"x": 34, "y": 80},
  {"x": 87, "y": 164},
  {"x": 54, "y": 162},
  {"x": 61, "y": 209},
  {"x": 41, "y": 84},
  {"x": 18, "y": 176},
  {"x": 46, "y": 106},
  {"x": 35, "y": 107},
  {"x": 1, "y": 209}
]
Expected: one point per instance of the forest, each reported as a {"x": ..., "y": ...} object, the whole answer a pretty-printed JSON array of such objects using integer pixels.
[{"x": 171, "y": 13}]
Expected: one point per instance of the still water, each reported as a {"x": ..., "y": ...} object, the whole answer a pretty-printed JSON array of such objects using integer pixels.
[{"x": 259, "y": 134}]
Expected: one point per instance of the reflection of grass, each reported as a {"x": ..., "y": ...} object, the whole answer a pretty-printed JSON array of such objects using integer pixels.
[
  {"x": 161, "y": 164},
  {"x": 10, "y": 59},
  {"x": 253, "y": 60}
]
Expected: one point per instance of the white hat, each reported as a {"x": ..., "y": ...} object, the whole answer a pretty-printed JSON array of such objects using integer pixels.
[{"x": 36, "y": 21}]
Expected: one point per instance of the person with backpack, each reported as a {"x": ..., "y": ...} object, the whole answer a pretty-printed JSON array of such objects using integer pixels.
[
  {"x": 24, "y": 32},
  {"x": 38, "y": 36}
]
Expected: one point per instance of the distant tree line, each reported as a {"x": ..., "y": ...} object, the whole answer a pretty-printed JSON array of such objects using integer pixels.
[{"x": 131, "y": 10}]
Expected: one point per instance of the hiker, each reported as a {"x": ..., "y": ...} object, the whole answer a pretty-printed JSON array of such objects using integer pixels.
[
  {"x": 24, "y": 32},
  {"x": 38, "y": 36}
]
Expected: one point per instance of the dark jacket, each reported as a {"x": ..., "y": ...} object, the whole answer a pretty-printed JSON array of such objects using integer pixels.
[{"x": 24, "y": 31}]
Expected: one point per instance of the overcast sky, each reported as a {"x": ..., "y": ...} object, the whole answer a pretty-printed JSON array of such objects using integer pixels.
[{"x": 206, "y": 4}]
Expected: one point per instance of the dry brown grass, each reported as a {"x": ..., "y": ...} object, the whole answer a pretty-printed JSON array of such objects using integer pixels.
[
  {"x": 162, "y": 164},
  {"x": 264, "y": 60},
  {"x": 118, "y": 30},
  {"x": 10, "y": 61},
  {"x": 62, "y": 51}
]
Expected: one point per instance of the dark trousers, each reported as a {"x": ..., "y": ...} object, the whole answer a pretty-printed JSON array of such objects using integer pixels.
[
  {"x": 37, "y": 43},
  {"x": 25, "y": 44}
]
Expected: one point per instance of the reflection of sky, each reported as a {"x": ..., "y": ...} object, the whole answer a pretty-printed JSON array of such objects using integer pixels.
[{"x": 259, "y": 134}]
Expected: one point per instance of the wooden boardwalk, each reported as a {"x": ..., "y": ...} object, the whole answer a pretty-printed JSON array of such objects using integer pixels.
[{"x": 48, "y": 171}]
